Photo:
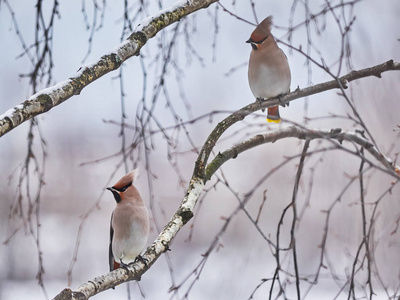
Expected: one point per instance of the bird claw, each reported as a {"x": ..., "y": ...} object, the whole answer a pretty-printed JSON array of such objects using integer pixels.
[
  {"x": 281, "y": 102},
  {"x": 124, "y": 266},
  {"x": 260, "y": 100},
  {"x": 142, "y": 259}
]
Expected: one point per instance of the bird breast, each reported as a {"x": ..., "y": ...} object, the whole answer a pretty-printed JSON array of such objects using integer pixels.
[
  {"x": 131, "y": 228},
  {"x": 269, "y": 73}
]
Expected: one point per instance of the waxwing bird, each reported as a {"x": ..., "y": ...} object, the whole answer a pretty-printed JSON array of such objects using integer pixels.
[
  {"x": 129, "y": 227},
  {"x": 269, "y": 72}
]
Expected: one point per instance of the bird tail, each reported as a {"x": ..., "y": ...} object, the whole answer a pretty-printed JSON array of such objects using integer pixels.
[{"x": 273, "y": 114}]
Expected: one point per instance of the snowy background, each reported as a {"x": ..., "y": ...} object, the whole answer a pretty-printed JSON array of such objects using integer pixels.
[{"x": 76, "y": 133}]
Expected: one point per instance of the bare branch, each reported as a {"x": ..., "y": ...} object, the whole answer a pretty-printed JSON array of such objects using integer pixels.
[
  {"x": 50, "y": 97},
  {"x": 204, "y": 170},
  {"x": 239, "y": 115},
  {"x": 196, "y": 186},
  {"x": 301, "y": 133}
]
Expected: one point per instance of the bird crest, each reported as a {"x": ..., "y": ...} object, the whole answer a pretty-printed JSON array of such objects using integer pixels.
[
  {"x": 262, "y": 31},
  {"x": 127, "y": 180}
]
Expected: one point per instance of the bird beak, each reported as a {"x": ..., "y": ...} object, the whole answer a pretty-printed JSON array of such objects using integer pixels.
[
  {"x": 251, "y": 41},
  {"x": 111, "y": 189}
]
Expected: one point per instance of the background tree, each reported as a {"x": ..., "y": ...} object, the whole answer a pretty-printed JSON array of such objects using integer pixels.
[{"x": 293, "y": 219}]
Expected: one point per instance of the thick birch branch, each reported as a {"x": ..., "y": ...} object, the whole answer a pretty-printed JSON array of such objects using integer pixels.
[
  {"x": 153, "y": 252},
  {"x": 202, "y": 173},
  {"x": 185, "y": 211},
  {"x": 48, "y": 98}
]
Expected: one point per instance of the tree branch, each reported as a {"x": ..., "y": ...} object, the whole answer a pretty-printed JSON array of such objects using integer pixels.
[
  {"x": 304, "y": 134},
  {"x": 196, "y": 186},
  {"x": 153, "y": 252},
  {"x": 48, "y": 98},
  {"x": 239, "y": 115}
]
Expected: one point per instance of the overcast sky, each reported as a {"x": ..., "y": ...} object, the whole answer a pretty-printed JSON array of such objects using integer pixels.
[{"x": 75, "y": 133}]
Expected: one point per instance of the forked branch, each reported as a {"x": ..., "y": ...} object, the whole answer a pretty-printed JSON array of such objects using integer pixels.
[{"x": 185, "y": 210}]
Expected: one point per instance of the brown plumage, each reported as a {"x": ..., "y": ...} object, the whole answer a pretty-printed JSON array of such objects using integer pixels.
[
  {"x": 129, "y": 226},
  {"x": 269, "y": 72}
]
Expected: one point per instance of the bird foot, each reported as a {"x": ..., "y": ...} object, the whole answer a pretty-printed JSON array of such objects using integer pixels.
[
  {"x": 281, "y": 102},
  {"x": 124, "y": 266},
  {"x": 260, "y": 100},
  {"x": 142, "y": 259}
]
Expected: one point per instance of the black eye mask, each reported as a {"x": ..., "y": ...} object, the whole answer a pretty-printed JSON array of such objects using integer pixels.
[
  {"x": 123, "y": 189},
  {"x": 254, "y": 43},
  {"x": 116, "y": 191}
]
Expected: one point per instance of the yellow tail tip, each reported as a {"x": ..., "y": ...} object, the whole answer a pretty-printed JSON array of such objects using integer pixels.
[{"x": 274, "y": 121}]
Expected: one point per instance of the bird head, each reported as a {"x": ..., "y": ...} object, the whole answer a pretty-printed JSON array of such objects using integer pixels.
[
  {"x": 261, "y": 33},
  {"x": 124, "y": 188}
]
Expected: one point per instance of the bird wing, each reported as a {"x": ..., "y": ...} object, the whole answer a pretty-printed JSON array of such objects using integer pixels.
[{"x": 110, "y": 253}]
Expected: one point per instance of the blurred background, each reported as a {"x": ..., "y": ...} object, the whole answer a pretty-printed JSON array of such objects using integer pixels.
[{"x": 207, "y": 72}]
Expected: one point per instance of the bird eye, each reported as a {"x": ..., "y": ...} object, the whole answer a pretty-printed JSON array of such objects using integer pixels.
[{"x": 123, "y": 189}]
